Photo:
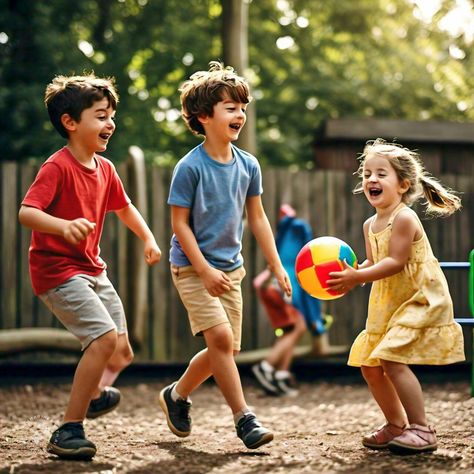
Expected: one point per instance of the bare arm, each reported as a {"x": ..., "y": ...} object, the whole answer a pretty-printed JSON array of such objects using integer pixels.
[
  {"x": 262, "y": 231},
  {"x": 405, "y": 229},
  {"x": 369, "y": 259},
  {"x": 215, "y": 281},
  {"x": 72, "y": 231},
  {"x": 130, "y": 216}
]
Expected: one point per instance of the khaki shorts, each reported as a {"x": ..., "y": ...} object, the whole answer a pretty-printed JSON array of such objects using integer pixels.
[
  {"x": 88, "y": 307},
  {"x": 206, "y": 311}
]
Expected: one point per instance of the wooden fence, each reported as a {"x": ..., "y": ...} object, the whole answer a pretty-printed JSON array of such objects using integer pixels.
[{"x": 157, "y": 321}]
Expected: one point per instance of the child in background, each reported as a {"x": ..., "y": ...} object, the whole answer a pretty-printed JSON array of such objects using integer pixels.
[
  {"x": 66, "y": 207},
  {"x": 210, "y": 189},
  {"x": 300, "y": 313},
  {"x": 410, "y": 315}
]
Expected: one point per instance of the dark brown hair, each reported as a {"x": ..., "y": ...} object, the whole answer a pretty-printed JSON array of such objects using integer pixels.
[{"x": 72, "y": 94}]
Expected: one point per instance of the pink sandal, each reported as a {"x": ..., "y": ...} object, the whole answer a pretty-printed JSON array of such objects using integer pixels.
[
  {"x": 380, "y": 438},
  {"x": 415, "y": 439}
]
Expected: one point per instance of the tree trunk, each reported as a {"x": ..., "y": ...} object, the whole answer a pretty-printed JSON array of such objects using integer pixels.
[{"x": 235, "y": 51}]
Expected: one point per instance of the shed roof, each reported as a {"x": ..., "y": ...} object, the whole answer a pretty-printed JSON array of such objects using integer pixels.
[{"x": 351, "y": 129}]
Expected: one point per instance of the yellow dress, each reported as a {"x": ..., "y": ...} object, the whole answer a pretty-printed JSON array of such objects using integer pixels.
[{"x": 410, "y": 315}]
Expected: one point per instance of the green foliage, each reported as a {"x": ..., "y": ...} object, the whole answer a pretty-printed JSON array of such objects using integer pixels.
[{"x": 309, "y": 60}]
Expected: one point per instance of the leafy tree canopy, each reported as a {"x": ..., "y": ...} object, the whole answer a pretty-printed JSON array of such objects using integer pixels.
[{"x": 309, "y": 60}]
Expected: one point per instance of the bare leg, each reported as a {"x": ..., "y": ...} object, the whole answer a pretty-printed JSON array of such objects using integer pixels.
[
  {"x": 408, "y": 389},
  {"x": 385, "y": 395},
  {"x": 282, "y": 352},
  {"x": 219, "y": 340},
  {"x": 198, "y": 371},
  {"x": 217, "y": 360},
  {"x": 121, "y": 358},
  {"x": 88, "y": 374}
]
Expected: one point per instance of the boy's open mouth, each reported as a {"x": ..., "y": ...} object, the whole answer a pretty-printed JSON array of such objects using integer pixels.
[
  {"x": 104, "y": 136},
  {"x": 235, "y": 126}
]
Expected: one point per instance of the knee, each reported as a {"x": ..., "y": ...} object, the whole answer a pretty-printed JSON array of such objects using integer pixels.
[
  {"x": 393, "y": 369},
  {"x": 300, "y": 327},
  {"x": 105, "y": 345},
  {"x": 122, "y": 357},
  {"x": 220, "y": 338},
  {"x": 372, "y": 375}
]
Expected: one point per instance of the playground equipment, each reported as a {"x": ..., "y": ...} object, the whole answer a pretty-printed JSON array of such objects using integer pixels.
[{"x": 466, "y": 321}]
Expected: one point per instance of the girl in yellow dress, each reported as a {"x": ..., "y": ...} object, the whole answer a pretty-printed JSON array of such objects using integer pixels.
[{"x": 410, "y": 314}]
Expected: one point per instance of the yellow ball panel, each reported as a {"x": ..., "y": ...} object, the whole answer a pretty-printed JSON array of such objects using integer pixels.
[{"x": 324, "y": 251}]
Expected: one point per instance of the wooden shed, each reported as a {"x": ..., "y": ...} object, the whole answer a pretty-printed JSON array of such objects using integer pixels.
[{"x": 445, "y": 147}]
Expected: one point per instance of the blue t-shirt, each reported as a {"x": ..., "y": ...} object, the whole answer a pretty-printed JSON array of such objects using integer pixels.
[{"x": 215, "y": 193}]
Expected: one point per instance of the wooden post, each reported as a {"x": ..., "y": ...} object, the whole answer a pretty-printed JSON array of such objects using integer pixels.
[{"x": 235, "y": 50}]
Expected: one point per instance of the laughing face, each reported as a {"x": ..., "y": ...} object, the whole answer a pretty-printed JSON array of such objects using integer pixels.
[
  {"x": 96, "y": 126},
  {"x": 381, "y": 185},
  {"x": 227, "y": 120}
]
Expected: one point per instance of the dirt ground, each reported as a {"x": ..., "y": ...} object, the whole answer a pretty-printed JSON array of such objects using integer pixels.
[{"x": 317, "y": 432}]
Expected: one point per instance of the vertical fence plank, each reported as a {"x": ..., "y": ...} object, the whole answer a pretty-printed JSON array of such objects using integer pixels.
[
  {"x": 9, "y": 239},
  {"x": 160, "y": 274},
  {"x": 121, "y": 272},
  {"x": 26, "y": 303}
]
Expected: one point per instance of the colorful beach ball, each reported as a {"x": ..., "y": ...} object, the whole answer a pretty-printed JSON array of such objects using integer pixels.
[{"x": 317, "y": 259}]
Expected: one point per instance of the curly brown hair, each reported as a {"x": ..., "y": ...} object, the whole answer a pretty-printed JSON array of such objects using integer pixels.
[{"x": 204, "y": 89}]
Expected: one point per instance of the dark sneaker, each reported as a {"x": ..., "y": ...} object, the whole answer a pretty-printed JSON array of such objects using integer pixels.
[
  {"x": 266, "y": 379},
  {"x": 251, "y": 432},
  {"x": 69, "y": 442},
  {"x": 177, "y": 412},
  {"x": 286, "y": 385},
  {"x": 108, "y": 401}
]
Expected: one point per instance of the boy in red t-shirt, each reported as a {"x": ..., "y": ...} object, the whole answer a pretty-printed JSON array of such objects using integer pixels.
[{"x": 65, "y": 207}]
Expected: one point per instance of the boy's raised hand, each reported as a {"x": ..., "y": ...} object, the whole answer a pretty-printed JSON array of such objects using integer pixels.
[
  {"x": 77, "y": 230},
  {"x": 152, "y": 252}
]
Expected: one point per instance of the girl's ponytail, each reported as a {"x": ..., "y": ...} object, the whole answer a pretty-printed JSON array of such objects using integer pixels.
[{"x": 439, "y": 200}]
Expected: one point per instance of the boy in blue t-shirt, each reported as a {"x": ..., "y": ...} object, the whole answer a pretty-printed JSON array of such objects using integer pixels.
[{"x": 210, "y": 189}]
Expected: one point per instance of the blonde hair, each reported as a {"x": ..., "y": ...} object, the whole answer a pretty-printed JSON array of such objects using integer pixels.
[
  {"x": 204, "y": 89},
  {"x": 408, "y": 166}
]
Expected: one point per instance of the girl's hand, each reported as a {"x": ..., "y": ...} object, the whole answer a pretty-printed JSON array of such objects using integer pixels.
[
  {"x": 345, "y": 280},
  {"x": 77, "y": 230},
  {"x": 283, "y": 281},
  {"x": 152, "y": 252},
  {"x": 215, "y": 281}
]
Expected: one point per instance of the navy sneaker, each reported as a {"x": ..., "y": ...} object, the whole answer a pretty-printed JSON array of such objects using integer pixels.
[
  {"x": 108, "y": 401},
  {"x": 70, "y": 442},
  {"x": 251, "y": 432},
  {"x": 177, "y": 412}
]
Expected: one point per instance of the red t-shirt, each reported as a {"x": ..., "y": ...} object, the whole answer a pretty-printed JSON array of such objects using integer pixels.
[{"x": 66, "y": 189}]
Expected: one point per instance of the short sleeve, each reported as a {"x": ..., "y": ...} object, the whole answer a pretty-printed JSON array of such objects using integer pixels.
[
  {"x": 183, "y": 186},
  {"x": 46, "y": 186},
  {"x": 255, "y": 186}
]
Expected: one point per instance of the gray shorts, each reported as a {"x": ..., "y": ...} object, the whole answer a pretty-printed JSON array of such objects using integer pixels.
[{"x": 88, "y": 307}]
